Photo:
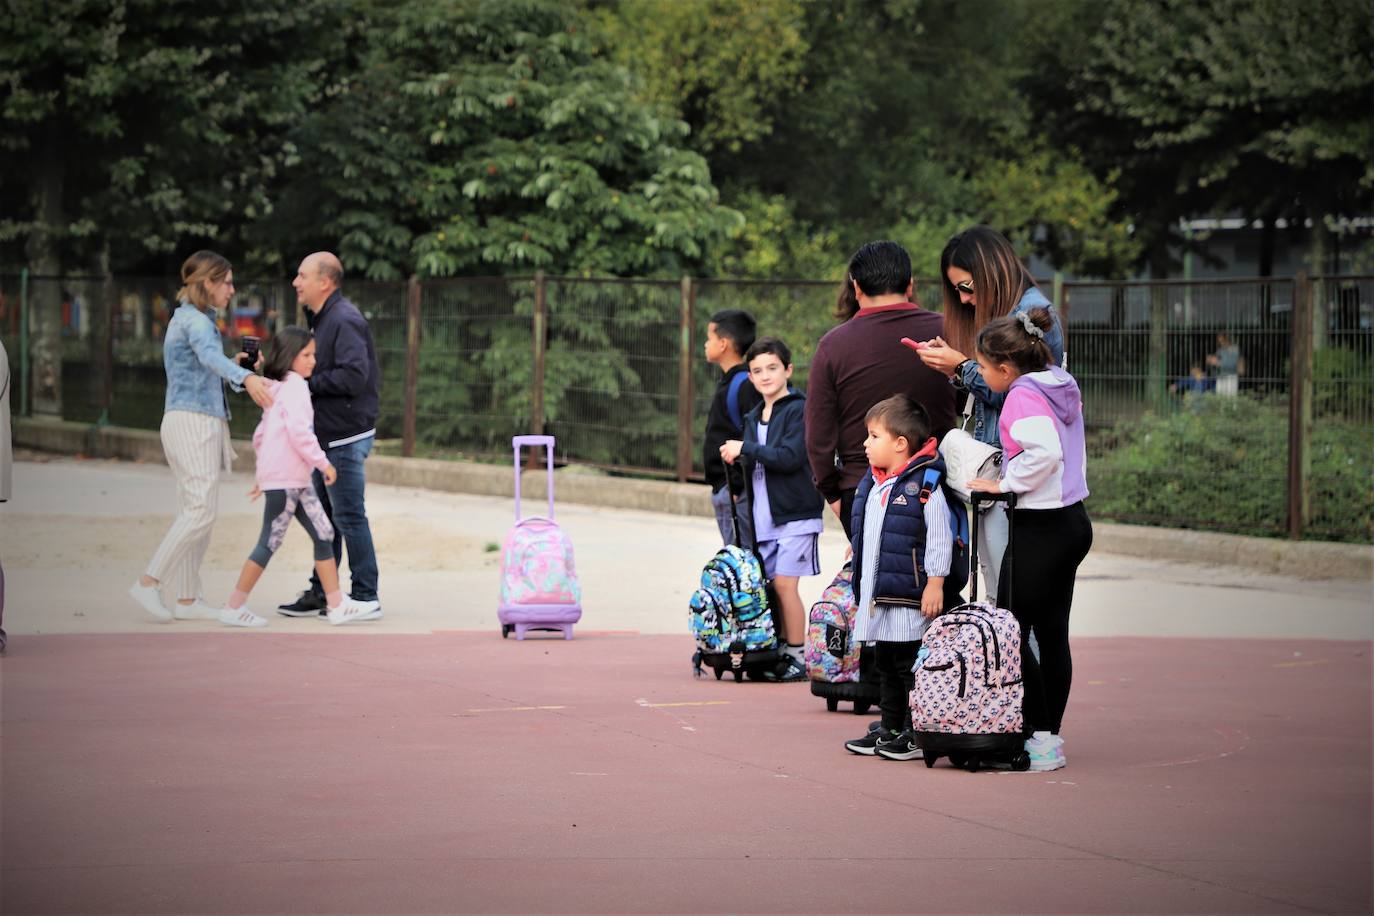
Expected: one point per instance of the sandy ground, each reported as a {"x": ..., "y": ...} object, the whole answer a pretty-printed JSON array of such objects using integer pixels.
[{"x": 77, "y": 533}]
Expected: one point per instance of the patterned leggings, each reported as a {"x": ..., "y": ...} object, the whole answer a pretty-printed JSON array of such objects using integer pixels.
[{"x": 278, "y": 507}]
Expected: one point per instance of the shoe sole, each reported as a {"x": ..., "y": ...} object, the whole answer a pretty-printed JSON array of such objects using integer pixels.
[
  {"x": 917, "y": 754},
  {"x": 166, "y": 615},
  {"x": 287, "y": 613},
  {"x": 862, "y": 751}
]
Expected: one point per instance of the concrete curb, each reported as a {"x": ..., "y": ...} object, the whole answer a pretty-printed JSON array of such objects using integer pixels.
[{"x": 1298, "y": 559}]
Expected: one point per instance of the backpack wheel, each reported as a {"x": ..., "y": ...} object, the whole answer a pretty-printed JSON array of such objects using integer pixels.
[
  {"x": 719, "y": 673},
  {"x": 930, "y": 761},
  {"x": 739, "y": 676},
  {"x": 506, "y": 628},
  {"x": 1020, "y": 762},
  {"x": 861, "y": 707},
  {"x": 831, "y": 704},
  {"x": 973, "y": 764}
]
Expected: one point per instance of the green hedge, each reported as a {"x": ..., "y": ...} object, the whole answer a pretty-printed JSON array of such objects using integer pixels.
[{"x": 1222, "y": 463}]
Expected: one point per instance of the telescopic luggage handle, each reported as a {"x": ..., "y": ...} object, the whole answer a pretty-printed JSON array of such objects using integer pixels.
[
  {"x": 517, "y": 442},
  {"x": 976, "y": 497}
]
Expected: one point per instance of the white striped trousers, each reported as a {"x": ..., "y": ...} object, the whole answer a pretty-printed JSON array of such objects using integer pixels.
[{"x": 197, "y": 449}]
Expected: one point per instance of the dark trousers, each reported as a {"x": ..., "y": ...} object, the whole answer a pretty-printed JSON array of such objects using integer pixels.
[
  {"x": 347, "y": 511},
  {"x": 847, "y": 513},
  {"x": 892, "y": 663},
  {"x": 1039, "y": 570}
]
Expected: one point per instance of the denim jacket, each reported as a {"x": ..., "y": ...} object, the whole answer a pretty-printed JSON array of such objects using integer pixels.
[
  {"x": 987, "y": 404},
  {"x": 193, "y": 355}
]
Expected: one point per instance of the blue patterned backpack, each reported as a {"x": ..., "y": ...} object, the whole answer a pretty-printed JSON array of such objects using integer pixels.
[{"x": 730, "y": 617}]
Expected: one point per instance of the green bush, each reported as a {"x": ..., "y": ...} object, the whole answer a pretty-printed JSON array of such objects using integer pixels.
[{"x": 1222, "y": 463}]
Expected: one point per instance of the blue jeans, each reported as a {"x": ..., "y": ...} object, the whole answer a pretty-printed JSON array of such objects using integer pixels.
[{"x": 344, "y": 505}]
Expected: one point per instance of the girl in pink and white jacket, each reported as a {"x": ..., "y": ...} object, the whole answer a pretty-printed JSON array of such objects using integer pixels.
[
  {"x": 287, "y": 451},
  {"x": 1043, "y": 463}
]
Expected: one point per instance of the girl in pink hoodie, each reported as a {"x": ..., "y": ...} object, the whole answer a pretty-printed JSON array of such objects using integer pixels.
[
  {"x": 287, "y": 451},
  {"x": 1043, "y": 463}
]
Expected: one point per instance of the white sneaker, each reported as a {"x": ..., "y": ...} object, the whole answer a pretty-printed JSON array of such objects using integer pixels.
[
  {"x": 150, "y": 599},
  {"x": 372, "y": 610},
  {"x": 196, "y": 610},
  {"x": 1046, "y": 754},
  {"x": 350, "y": 611},
  {"x": 240, "y": 618}
]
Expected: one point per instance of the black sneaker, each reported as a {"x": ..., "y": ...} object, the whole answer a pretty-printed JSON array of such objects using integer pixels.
[
  {"x": 901, "y": 747},
  {"x": 868, "y": 745},
  {"x": 307, "y": 604},
  {"x": 788, "y": 670}
]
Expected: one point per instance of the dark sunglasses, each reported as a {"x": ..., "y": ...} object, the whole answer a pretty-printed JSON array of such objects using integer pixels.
[{"x": 966, "y": 288}]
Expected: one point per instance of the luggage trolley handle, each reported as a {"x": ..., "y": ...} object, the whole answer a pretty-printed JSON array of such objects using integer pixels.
[
  {"x": 518, "y": 442},
  {"x": 976, "y": 497}
]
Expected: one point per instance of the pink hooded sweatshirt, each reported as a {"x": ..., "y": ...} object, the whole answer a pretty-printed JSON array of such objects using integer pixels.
[{"x": 285, "y": 440}]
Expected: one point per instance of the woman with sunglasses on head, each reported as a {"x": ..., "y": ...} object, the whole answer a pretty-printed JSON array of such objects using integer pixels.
[{"x": 982, "y": 279}]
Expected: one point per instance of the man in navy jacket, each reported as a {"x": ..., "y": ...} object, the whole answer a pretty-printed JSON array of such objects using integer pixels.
[{"x": 344, "y": 392}]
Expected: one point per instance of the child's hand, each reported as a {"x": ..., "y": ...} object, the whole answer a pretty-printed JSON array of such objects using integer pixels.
[
  {"x": 254, "y": 493},
  {"x": 933, "y": 598},
  {"x": 330, "y": 475},
  {"x": 983, "y": 485},
  {"x": 730, "y": 450}
]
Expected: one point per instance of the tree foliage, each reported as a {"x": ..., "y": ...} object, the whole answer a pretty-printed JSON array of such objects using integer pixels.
[{"x": 486, "y": 137}]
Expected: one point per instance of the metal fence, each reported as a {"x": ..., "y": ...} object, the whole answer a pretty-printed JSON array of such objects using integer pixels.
[{"x": 613, "y": 368}]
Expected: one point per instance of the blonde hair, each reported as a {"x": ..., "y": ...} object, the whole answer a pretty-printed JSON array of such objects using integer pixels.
[{"x": 201, "y": 268}]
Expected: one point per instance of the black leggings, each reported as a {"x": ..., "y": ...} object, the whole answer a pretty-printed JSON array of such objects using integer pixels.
[
  {"x": 892, "y": 663},
  {"x": 1046, "y": 547}
]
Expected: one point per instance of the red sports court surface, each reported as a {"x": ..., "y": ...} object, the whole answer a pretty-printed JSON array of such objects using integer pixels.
[{"x": 257, "y": 773}]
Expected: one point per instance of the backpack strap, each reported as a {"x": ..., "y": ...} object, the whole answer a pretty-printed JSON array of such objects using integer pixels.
[
  {"x": 930, "y": 479},
  {"x": 732, "y": 399}
]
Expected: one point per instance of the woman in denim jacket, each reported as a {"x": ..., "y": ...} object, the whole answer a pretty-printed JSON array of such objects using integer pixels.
[
  {"x": 195, "y": 437},
  {"x": 981, "y": 278}
]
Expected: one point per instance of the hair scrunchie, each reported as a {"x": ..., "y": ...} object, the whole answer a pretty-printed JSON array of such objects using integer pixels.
[{"x": 1029, "y": 325}]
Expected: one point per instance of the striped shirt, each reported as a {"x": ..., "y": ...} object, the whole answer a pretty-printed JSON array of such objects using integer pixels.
[{"x": 899, "y": 623}]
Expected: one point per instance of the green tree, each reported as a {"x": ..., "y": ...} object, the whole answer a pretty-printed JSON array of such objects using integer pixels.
[
  {"x": 486, "y": 136},
  {"x": 722, "y": 64},
  {"x": 134, "y": 129},
  {"x": 1214, "y": 106}
]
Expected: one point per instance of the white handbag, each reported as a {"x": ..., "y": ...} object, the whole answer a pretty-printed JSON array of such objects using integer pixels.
[{"x": 966, "y": 458}]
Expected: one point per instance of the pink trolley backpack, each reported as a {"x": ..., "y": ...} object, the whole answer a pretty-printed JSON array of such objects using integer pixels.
[
  {"x": 966, "y": 704},
  {"x": 539, "y": 588}
]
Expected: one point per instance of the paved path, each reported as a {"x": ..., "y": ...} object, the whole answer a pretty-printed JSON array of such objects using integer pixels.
[{"x": 422, "y": 764}]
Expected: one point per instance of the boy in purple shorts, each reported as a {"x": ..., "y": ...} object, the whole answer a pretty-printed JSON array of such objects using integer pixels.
[{"x": 787, "y": 508}]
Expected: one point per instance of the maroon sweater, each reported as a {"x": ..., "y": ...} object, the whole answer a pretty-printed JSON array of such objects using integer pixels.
[{"x": 856, "y": 365}]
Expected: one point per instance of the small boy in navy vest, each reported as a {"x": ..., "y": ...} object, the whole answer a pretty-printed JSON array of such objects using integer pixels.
[{"x": 907, "y": 564}]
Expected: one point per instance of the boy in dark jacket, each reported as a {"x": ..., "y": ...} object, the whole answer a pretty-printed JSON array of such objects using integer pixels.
[
  {"x": 787, "y": 508},
  {"x": 729, "y": 335},
  {"x": 907, "y": 565}
]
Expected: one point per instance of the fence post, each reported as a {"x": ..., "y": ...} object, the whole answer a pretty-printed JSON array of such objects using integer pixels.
[
  {"x": 1158, "y": 361},
  {"x": 24, "y": 341},
  {"x": 1300, "y": 405},
  {"x": 540, "y": 333},
  {"x": 412, "y": 365},
  {"x": 106, "y": 344},
  {"x": 684, "y": 382}
]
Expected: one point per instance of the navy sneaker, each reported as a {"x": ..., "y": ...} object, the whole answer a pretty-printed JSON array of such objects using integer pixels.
[
  {"x": 902, "y": 747},
  {"x": 788, "y": 670},
  {"x": 307, "y": 604},
  {"x": 868, "y": 745}
]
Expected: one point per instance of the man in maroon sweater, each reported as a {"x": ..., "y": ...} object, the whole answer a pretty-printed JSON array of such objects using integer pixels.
[{"x": 863, "y": 361}]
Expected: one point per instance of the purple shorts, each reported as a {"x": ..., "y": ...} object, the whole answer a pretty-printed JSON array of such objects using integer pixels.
[{"x": 793, "y": 556}]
